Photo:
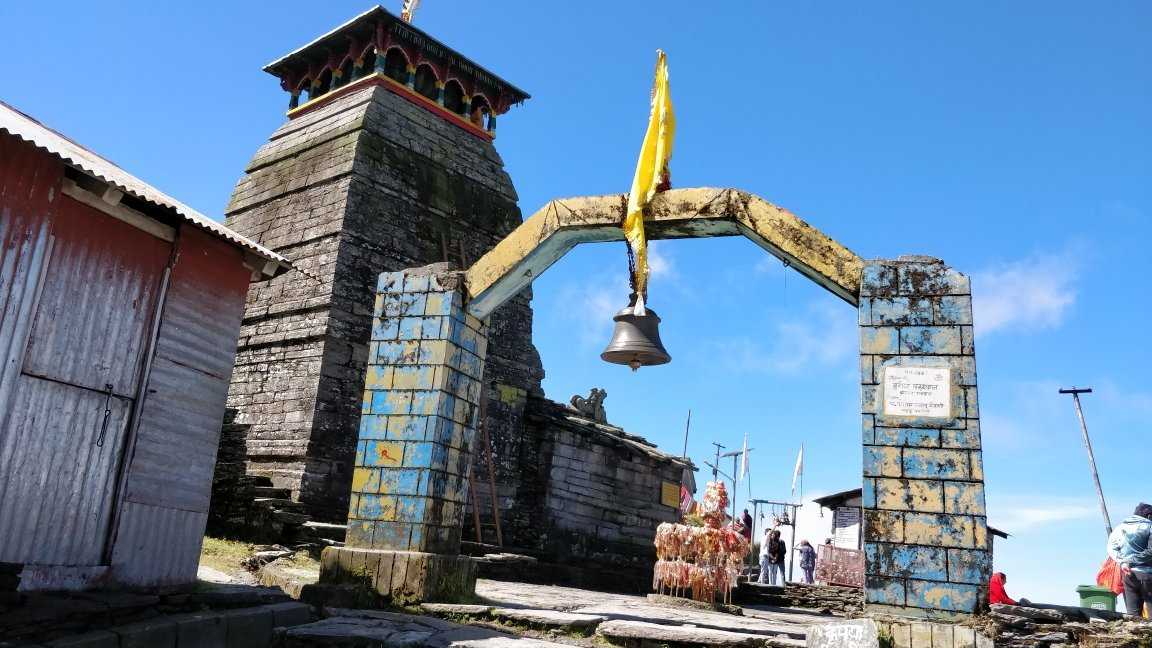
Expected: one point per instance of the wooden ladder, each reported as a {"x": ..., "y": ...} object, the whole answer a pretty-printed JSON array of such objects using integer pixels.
[{"x": 487, "y": 448}]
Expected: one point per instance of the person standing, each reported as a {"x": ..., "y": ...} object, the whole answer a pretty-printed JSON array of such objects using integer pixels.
[
  {"x": 1130, "y": 545},
  {"x": 764, "y": 565},
  {"x": 776, "y": 553},
  {"x": 746, "y": 531},
  {"x": 807, "y": 560}
]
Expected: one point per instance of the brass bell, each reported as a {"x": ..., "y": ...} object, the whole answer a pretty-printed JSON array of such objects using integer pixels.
[{"x": 636, "y": 340}]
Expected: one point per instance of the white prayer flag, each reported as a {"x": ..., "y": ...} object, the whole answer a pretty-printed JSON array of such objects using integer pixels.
[
  {"x": 799, "y": 469},
  {"x": 744, "y": 458}
]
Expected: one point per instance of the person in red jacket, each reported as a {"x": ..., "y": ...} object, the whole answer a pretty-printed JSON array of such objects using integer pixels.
[{"x": 996, "y": 592}]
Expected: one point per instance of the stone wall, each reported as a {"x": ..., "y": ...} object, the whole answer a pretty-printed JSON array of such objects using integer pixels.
[
  {"x": 368, "y": 183},
  {"x": 578, "y": 494},
  {"x": 925, "y": 530},
  {"x": 603, "y": 500}
]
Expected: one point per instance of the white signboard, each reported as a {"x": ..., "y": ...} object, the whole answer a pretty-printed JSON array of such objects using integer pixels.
[
  {"x": 918, "y": 391},
  {"x": 846, "y": 527}
]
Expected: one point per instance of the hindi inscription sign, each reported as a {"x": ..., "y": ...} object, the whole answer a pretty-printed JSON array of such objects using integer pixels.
[{"x": 918, "y": 391}]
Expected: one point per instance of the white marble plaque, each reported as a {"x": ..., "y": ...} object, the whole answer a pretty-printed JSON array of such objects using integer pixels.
[{"x": 918, "y": 391}]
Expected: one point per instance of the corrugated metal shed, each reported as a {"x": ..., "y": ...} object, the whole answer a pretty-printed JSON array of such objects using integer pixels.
[
  {"x": 118, "y": 329},
  {"x": 30, "y": 130}
]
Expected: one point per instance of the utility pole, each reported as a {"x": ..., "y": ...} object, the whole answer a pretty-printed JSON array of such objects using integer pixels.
[
  {"x": 735, "y": 454},
  {"x": 714, "y": 468},
  {"x": 1091, "y": 456}
]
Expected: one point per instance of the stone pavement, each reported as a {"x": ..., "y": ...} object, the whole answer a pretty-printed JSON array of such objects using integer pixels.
[
  {"x": 763, "y": 621},
  {"x": 365, "y": 628},
  {"x": 225, "y": 616},
  {"x": 522, "y": 614}
]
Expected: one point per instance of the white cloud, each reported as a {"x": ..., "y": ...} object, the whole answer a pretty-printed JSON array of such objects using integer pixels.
[
  {"x": 1029, "y": 294},
  {"x": 1123, "y": 400},
  {"x": 824, "y": 334},
  {"x": 1018, "y": 514},
  {"x": 591, "y": 305},
  {"x": 660, "y": 263}
]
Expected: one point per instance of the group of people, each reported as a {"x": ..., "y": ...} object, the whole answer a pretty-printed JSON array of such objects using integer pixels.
[
  {"x": 773, "y": 551},
  {"x": 1129, "y": 546}
]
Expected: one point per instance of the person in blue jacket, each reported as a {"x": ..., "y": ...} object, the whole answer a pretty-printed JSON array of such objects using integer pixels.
[{"x": 1130, "y": 545}]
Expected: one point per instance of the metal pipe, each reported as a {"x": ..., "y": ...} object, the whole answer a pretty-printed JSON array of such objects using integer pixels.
[{"x": 792, "y": 551}]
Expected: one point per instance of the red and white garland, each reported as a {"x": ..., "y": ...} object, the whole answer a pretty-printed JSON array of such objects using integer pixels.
[{"x": 700, "y": 561}]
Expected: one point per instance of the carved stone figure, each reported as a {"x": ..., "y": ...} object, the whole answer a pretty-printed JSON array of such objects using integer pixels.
[{"x": 593, "y": 406}]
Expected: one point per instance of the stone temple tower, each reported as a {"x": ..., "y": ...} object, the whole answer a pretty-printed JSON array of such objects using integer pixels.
[{"x": 385, "y": 162}]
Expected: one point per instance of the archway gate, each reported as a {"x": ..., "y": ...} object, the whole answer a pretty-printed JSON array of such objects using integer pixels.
[{"x": 925, "y": 531}]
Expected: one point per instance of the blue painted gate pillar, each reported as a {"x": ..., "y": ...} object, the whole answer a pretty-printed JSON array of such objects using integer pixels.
[
  {"x": 421, "y": 400},
  {"x": 925, "y": 531}
]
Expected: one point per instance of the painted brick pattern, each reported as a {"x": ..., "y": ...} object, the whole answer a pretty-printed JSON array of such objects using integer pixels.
[
  {"x": 418, "y": 415},
  {"x": 925, "y": 530}
]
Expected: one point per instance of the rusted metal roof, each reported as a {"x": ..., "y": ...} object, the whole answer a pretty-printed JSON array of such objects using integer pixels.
[
  {"x": 30, "y": 130},
  {"x": 836, "y": 499}
]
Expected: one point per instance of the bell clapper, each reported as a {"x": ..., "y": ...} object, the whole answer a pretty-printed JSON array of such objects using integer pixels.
[{"x": 635, "y": 364}]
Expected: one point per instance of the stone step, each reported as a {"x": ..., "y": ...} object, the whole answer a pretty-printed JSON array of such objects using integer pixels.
[
  {"x": 550, "y": 619},
  {"x": 326, "y": 530},
  {"x": 290, "y": 518},
  {"x": 271, "y": 491},
  {"x": 278, "y": 503},
  {"x": 642, "y": 633}
]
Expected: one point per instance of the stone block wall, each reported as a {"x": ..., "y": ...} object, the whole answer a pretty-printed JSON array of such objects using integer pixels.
[
  {"x": 584, "y": 498},
  {"x": 603, "y": 500},
  {"x": 925, "y": 530},
  {"x": 366, "y": 184}
]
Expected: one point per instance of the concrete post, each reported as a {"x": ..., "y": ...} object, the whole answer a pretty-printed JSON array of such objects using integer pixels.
[
  {"x": 925, "y": 531},
  {"x": 409, "y": 486}
]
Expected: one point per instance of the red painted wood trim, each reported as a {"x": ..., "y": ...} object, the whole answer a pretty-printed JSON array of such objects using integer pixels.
[{"x": 378, "y": 79}]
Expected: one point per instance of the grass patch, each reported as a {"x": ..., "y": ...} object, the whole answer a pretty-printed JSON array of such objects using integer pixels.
[
  {"x": 302, "y": 560},
  {"x": 225, "y": 555}
]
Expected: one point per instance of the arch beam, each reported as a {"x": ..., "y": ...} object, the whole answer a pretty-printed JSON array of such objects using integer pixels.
[{"x": 563, "y": 224}]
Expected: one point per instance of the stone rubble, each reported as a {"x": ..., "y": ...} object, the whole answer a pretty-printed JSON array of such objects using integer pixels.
[{"x": 1016, "y": 626}]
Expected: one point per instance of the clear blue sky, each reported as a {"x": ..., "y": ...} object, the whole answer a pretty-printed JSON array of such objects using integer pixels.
[{"x": 1010, "y": 139}]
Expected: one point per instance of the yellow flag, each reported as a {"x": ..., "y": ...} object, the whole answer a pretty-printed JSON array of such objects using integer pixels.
[{"x": 651, "y": 174}]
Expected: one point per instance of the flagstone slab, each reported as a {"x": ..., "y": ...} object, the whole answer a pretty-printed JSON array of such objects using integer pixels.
[
  {"x": 549, "y": 618},
  {"x": 643, "y": 633},
  {"x": 461, "y": 609}
]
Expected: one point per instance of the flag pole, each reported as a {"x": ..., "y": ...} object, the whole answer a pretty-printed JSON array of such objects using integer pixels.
[{"x": 801, "y": 500}]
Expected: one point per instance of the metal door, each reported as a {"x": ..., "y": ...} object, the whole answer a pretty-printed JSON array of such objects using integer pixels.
[{"x": 63, "y": 435}]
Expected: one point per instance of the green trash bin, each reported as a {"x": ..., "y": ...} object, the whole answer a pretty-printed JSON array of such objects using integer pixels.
[{"x": 1097, "y": 598}]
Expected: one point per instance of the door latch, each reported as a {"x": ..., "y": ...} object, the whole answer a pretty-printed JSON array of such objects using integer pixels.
[{"x": 107, "y": 414}]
